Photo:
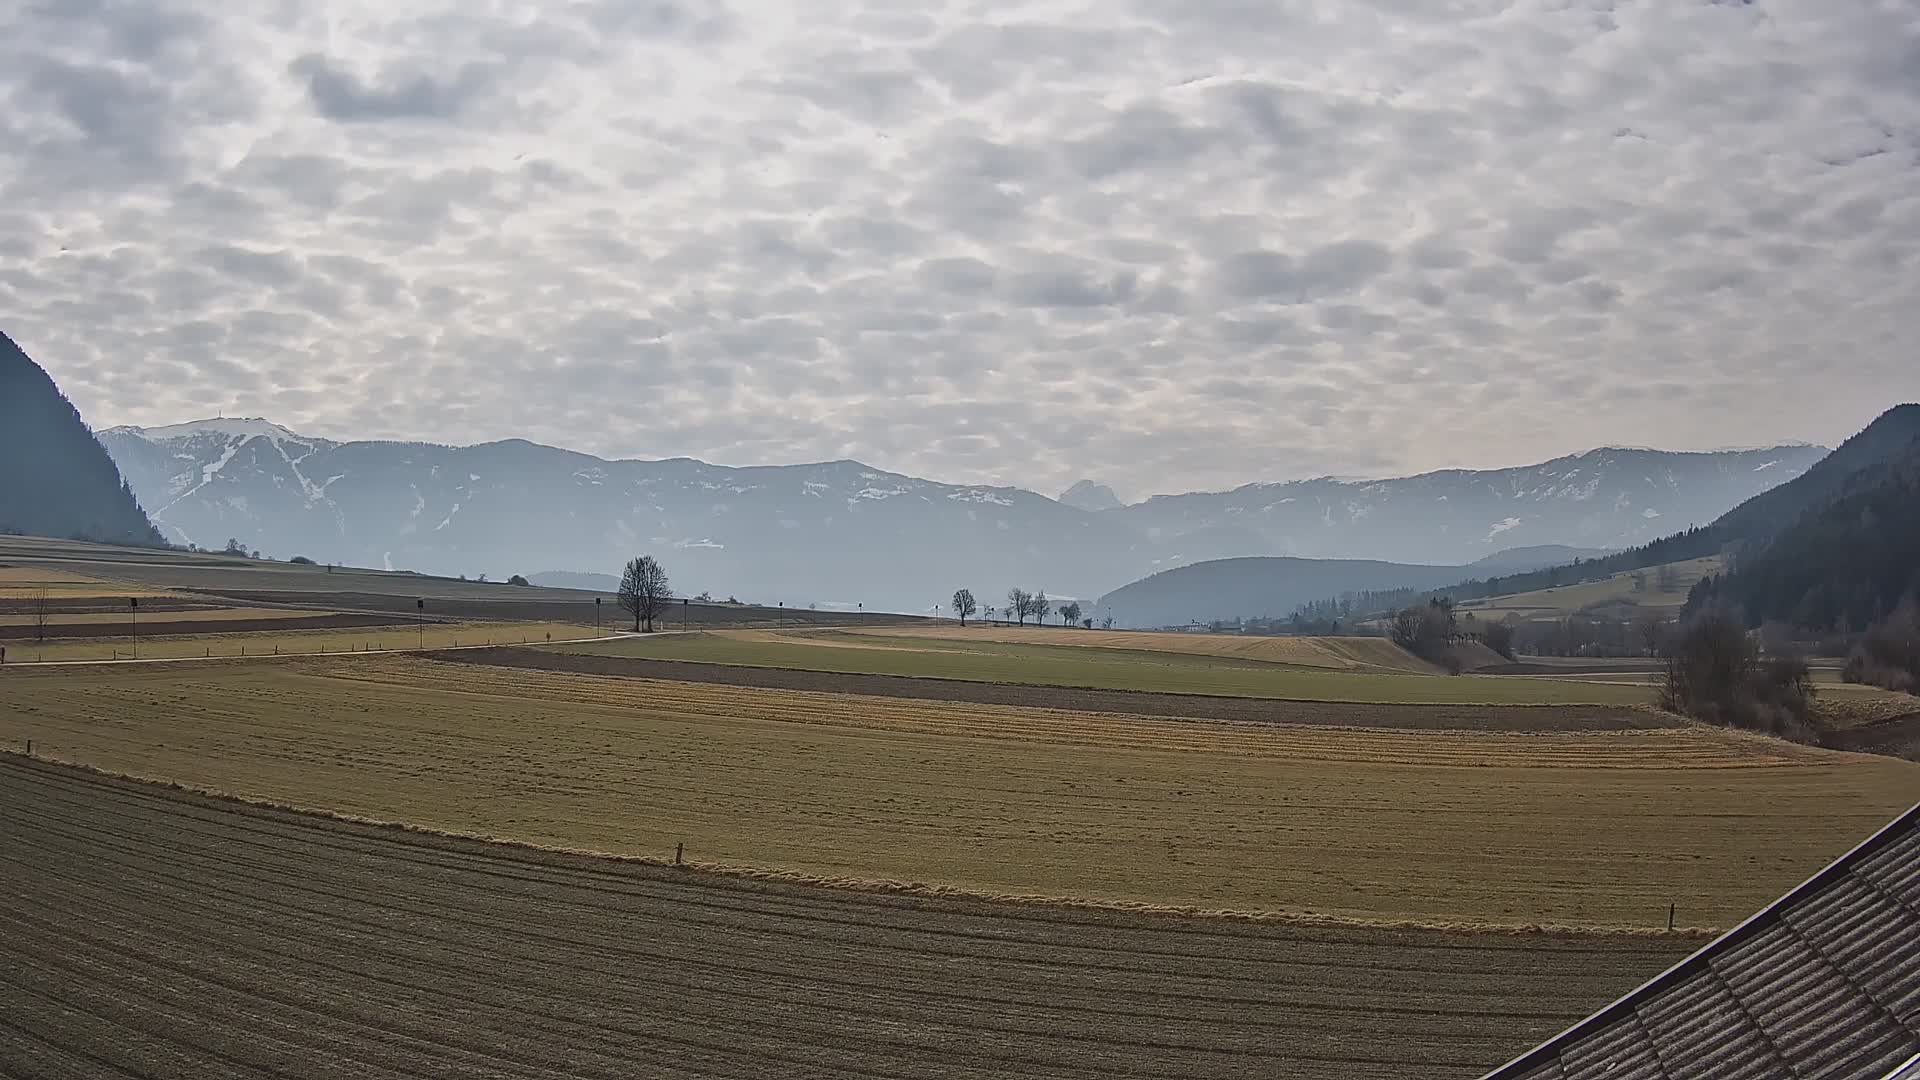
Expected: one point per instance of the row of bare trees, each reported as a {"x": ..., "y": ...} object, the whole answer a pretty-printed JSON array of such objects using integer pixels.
[{"x": 1021, "y": 606}]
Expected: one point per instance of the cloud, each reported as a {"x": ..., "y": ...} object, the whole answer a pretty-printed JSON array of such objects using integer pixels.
[
  {"x": 1328, "y": 271},
  {"x": 341, "y": 95},
  {"x": 1200, "y": 242}
]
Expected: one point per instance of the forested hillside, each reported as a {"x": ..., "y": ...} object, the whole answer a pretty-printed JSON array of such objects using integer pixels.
[
  {"x": 1841, "y": 565},
  {"x": 55, "y": 478},
  {"x": 1852, "y": 472}
]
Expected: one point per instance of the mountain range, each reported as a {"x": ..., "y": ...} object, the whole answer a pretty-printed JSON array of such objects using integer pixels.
[
  {"x": 55, "y": 479},
  {"x": 1839, "y": 548},
  {"x": 1832, "y": 548},
  {"x": 845, "y": 533}
]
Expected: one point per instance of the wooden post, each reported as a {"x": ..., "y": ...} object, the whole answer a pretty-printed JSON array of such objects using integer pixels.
[
  {"x": 1670, "y": 908},
  {"x": 678, "y": 851},
  {"x": 29, "y": 747}
]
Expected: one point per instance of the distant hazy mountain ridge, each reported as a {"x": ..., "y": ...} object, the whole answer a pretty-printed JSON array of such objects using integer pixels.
[
  {"x": 1839, "y": 548},
  {"x": 1832, "y": 547},
  {"x": 1087, "y": 495},
  {"x": 843, "y": 533},
  {"x": 55, "y": 479}
]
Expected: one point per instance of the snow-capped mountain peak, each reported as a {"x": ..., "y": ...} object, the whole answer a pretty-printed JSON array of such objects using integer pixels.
[
  {"x": 839, "y": 529},
  {"x": 228, "y": 426}
]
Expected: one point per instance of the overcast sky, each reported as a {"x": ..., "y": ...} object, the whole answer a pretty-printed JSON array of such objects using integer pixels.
[{"x": 1166, "y": 244}]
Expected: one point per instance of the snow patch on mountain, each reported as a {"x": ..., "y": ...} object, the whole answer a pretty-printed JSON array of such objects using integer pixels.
[{"x": 240, "y": 427}]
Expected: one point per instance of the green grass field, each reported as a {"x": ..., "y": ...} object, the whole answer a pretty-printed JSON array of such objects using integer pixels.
[{"x": 1104, "y": 669}]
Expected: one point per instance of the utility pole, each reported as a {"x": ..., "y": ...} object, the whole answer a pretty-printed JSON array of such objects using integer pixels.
[
  {"x": 420, "y": 608},
  {"x": 133, "y": 606},
  {"x": 596, "y": 614}
]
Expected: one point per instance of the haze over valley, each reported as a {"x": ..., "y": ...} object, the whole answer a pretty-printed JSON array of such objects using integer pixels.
[
  {"x": 843, "y": 533},
  {"x": 909, "y": 540}
]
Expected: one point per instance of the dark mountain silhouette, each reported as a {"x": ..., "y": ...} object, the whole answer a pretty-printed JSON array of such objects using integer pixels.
[
  {"x": 55, "y": 478},
  {"x": 1521, "y": 559},
  {"x": 1889, "y": 436},
  {"x": 1257, "y": 588},
  {"x": 1748, "y": 529},
  {"x": 1844, "y": 562},
  {"x": 1778, "y": 534}
]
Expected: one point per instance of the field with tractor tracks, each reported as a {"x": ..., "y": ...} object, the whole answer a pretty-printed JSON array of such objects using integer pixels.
[
  {"x": 223, "y": 940},
  {"x": 1568, "y": 827},
  {"x": 1153, "y": 667}
]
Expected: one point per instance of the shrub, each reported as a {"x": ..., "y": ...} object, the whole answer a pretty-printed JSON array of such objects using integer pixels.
[
  {"x": 518, "y": 579},
  {"x": 1500, "y": 638},
  {"x": 1715, "y": 674},
  {"x": 301, "y": 560},
  {"x": 1888, "y": 654},
  {"x": 1427, "y": 632}
]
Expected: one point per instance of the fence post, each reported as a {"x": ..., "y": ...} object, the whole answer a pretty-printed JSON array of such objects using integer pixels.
[
  {"x": 29, "y": 747},
  {"x": 678, "y": 850},
  {"x": 1670, "y": 908}
]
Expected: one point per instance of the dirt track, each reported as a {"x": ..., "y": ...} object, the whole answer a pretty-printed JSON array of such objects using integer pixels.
[
  {"x": 1135, "y": 703},
  {"x": 147, "y": 932}
]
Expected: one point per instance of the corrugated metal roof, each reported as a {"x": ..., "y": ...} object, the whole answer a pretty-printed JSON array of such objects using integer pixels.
[{"x": 1824, "y": 984}]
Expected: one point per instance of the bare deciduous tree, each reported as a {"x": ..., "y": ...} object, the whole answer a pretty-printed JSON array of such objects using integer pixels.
[
  {"x": 1714, "y": 673},
  {"x": 1041, "y": 606},
  {"x": 1019, "y": 604},
  {"x": 1070, "y": 613},
  {"x": 644, "y": 590},
  {"x": 964, "y": 605},
  {"x": 41, "y": 609}
]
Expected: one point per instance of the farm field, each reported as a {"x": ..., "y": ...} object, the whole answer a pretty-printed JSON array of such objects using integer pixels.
[
  {"x": 58, "y": 620},
  {"x": 1333, "y": 653},
  {"x": 1578, "y": 828},
  {"x": 208, "y": 640},
  {"x": 26, "y": 583},
  {"x": 1616, "y": 592},
  {"x": 1081, "y": 699},
  {"x": 925, "y": 656},
  {"x": 355, "y": 951}
]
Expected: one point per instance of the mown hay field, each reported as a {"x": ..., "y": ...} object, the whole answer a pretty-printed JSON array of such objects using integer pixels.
[
  {"x": 1333, "y": 653},
  {"x": 1154, "y": 670},
  {"x": 33, "y": 582},
  {"x": 149, "y": 932},
  {"x": 58, "y": 619},
  {"x": 395, "y": 636},
  {"x": 1575, "y": 828}
]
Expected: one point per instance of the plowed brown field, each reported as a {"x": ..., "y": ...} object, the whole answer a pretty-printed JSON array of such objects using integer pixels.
[
  {"x": 154, "y": 933},
  {"x": 1570, "y": 827}
]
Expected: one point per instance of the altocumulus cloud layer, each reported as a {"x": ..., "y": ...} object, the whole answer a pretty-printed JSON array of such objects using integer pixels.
[{"x": 1165, "y": 243}]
